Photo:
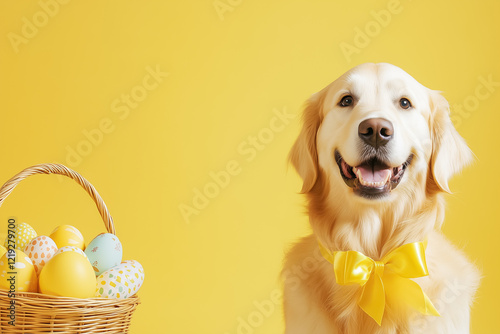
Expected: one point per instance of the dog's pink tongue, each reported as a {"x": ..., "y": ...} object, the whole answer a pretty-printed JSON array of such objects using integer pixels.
[{"x": 369, "y": 175}]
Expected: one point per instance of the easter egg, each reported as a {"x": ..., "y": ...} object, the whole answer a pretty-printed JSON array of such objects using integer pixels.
[
  {"x": 104, "y": 252},
  {"x": 120, "y": 282},
  {"x": 68, "y": 274},
  {"x": 71, "y": 249},
  {"x": 17, "y": 272},
  {"x": 40, "y": 250},
  {"x": 67, "y": 235},
  {"x": 3, "y": 250},
  {"x": 23, "y": 234}
]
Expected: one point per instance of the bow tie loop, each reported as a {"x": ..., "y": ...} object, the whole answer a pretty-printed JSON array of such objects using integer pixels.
[{"x": 408, "y": 261}]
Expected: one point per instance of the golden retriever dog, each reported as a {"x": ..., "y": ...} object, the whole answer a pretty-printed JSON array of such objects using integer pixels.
[{"x": 375, "y": 153}]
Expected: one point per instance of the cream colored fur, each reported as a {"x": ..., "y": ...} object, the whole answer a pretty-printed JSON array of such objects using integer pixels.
[{"x": 313, "y": 302}]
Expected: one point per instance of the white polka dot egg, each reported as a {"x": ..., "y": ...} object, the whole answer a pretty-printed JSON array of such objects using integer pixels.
[{"x": 23, "y": 234}]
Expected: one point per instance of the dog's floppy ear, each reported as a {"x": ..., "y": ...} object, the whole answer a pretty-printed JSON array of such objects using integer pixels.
[
  {"x": 450, "y": 153},
  {"x": 303, "y": 155}
]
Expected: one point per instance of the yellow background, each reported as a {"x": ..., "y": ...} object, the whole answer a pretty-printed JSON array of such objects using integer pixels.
[{"x": 227, "y": 78}]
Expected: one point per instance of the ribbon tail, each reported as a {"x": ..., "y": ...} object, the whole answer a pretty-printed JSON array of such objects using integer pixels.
[
  {"x": 372, "y": 299},
  {"x": 403, "y": 290},
  {"x": 326, "y": 253},
  {"x": 429, "y": 308}
]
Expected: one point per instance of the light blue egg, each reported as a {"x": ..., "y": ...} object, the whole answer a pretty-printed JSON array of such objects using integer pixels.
[{"x": 104, "y": 252}]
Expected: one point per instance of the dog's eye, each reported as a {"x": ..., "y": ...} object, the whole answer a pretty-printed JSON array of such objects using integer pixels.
[
  {"x": 405, "y": 103},
  {"x": 346, "y": 101}
]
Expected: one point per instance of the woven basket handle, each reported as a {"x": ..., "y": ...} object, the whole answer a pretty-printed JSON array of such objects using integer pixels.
[{"x": 9, "y": 186}]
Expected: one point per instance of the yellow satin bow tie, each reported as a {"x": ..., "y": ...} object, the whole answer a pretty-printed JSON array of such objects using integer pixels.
[{"x": 386, "y": 279}]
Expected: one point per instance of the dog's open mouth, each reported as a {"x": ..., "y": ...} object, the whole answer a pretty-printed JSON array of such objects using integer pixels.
[{"x": 372, "y": 178}]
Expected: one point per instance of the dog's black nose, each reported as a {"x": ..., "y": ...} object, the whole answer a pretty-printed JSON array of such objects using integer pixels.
[{"x": 375, "y": 132}]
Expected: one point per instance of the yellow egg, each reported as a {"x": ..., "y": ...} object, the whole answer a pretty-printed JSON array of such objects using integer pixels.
[
  {"x": 22, "y": 234},
  {"x": 17, "y": 272},
  {"x": 3, "y": 250},
  {"x": 68, "y": 274},
  {"x": 67, "y": 235}
]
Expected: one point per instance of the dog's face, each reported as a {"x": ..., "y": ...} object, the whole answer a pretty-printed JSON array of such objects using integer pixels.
[
  {"x": 375, "y": 122},
  {"x": 376, "y": 131}
]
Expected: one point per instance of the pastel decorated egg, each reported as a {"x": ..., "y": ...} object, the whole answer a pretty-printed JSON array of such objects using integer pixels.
[
  {"x": 23, "y": 234},
  {"x": 17, "y": 272},
  {"x": 40, "y": 250},
  {"x": 135, "y": 274},
  {"x": 120, "y": 282},
  {"x": 3, "y": 250},
  {"x": 104, "y": 252},
  {"x": 68, "y": 274},
  {"x": 71, "y": 249},
  {"x": 67, "y": 235}
]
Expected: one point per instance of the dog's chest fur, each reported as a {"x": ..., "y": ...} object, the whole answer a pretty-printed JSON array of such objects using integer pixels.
[{"x": 315, "y": 303}]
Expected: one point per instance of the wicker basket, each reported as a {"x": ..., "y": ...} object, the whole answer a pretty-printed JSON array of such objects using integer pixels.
[{"x": 39, "y": 313}]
